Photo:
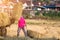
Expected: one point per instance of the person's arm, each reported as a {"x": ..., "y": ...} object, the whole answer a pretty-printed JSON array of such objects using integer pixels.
[
  {"x": 25, "y": 23},
  {"x": 18, "y": 22}
]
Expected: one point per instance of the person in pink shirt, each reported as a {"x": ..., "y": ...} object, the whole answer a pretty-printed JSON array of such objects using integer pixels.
[{"x": 21, "y": 25}]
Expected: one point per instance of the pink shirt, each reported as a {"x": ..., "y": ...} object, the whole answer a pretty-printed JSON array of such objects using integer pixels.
[{"x": 21, "y": 22}]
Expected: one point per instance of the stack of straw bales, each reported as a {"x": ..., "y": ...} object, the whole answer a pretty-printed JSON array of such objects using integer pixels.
[
  {"x": 6, "y": 20},
  {"x": 17, "y": 10}
]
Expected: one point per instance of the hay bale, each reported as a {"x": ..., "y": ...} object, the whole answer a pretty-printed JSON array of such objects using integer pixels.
[
  {"x": 0, "y": 20},
  {"x": 34, "y": 34},
  {"x": 17, "y": 10},
  {"x": 4, "y": 19}
]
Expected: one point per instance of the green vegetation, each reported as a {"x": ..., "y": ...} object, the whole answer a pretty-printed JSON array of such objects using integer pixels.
[
  {"x": 52, "y": 14},
  {"x": 44, "y": 1}
]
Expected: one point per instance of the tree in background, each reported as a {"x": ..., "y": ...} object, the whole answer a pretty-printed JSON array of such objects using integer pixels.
[{"x": 47, "y": 1}]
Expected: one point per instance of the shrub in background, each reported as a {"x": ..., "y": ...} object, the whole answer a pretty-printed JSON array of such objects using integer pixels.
[{"x": 52, "y": 14}]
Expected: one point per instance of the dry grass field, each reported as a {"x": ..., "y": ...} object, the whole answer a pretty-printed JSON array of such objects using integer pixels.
[
  {"x": 40, "y": 28},
  {"x": 45, "y": 28}
]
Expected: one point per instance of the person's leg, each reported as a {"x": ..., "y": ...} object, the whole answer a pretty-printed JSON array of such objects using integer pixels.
[
  {"x": 18, "y": 31},
  {"x": 25, "y": 31}
]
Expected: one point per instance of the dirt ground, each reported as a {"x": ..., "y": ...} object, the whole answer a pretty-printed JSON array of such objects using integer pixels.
[{"x": 47, "y": 28}]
